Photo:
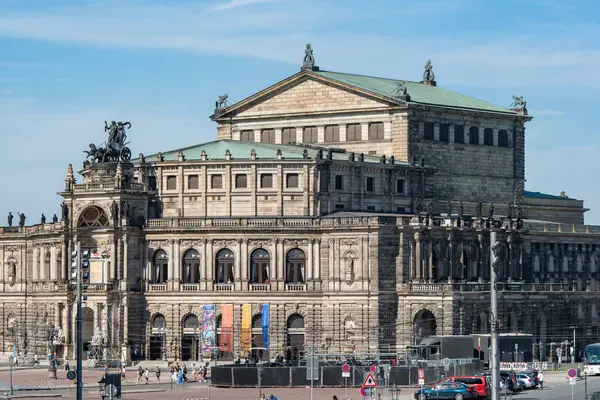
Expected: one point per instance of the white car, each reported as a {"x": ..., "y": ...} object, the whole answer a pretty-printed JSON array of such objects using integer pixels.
[{"x": 526, "y": 380}]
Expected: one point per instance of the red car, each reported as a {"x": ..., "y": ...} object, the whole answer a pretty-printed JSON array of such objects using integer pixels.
[{"x": 479, "y": 383}]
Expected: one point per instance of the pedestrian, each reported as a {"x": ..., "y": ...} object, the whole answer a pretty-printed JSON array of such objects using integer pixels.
[
  {"x": 67, "y": 364},
  {"x": 157, "y": 372},
  {"x": 36, "y": 360},
  {"x": 180, "y": 377},
  {"x": 140, "y": 374},
  {"x": 106, "y": 369},
  {"x": 124, "y": 373},
  {"x": 541, "y": 379},
  {"x": 146, "y": 375}
]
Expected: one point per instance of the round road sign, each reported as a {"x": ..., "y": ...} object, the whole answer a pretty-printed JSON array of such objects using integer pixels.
[
  {"x": 111, "y": 391},
  {"x": 363, "y": 393},
  {"x": 345, "y": 368},
  {"x": 572, "y": 373},
  {"x": 421, "y": 374},
  {"x": 71, "y": 375},
  {"x": 373, "y": 369}
]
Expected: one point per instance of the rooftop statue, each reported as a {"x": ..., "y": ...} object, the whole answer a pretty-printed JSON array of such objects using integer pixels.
[
  {"x": 115, "y": 146},
  {"x": 400, "y": 91},
  {"x": 221, "y": 102},
  {"x": 428, "y": 75},
  {"x": 309, "y": 59},
  {"x": 519, "y": 104}
]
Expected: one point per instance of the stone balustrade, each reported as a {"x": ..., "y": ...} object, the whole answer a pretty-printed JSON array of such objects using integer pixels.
[
  {"x": 224, "y": 287},
  {"x": 516, "y": 287},
  {"x": 190, "y": 287},
  {"x": 260, "y": 287},
  {"x": 105, "y": 186},
  {"x": 158, "y": 287},
  {"x": 295, "y": 287}
]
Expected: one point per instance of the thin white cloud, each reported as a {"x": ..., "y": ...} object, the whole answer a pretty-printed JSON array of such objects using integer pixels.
[
  {"x": 238, "y": 3},
  {"x": 547, "y": 112}
]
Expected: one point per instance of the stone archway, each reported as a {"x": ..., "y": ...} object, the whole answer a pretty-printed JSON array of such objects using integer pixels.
[{"x": 425, "y": 324}]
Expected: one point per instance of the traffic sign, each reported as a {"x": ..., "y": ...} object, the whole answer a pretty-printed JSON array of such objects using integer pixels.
[
  {"x": 572, "y": 381},
  {"x": 363, "y": 393},
  {"x": 572, "y": 373},
  {"x": 421, "y": 382},
  {"x": 369, "y": 382},
  {"x": 421, "y": 374},
  {"x": 373, "y": 369},
  {"x": 71, "y": 375},
  {"x": 345, "y": 368}
]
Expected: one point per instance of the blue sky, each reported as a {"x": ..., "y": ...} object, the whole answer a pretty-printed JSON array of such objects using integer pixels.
[{"x": 68, "y": 65}]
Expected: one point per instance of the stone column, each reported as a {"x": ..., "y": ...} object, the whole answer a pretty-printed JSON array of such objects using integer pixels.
[
  {"x": 66, "y": 311},
  {"x": 177, "y": 261},
  {"x": 411, "y": 262},
  {"x": 171, "y": 261},
  {"x": 210, "y": 261},
  {"x": 342, "y": 132},
  {"x": 65, "y": 262},
  {"x": 125, "y": 259},
  {"x": 53, "y": 265},
  {"x": 364, "y": 127},
  {"x": 113, "y": 260},
  {"x": 309, "y": 261},
  {"x": 105, "y": 322},
  {"x": 57, "y": 314},
  {"x": 125, "y": 353},
  {"x": 430, "y": 261},
  {"x": 418, "y": 251},
  {"x": 238, "y": 266},
  {"x": 280, "y": 264},
  {"x": 243, "y": 273},
  {"x": 36, "y": 272},
  {"x": 205, "y": 267},
  {"x": 317, "y": 274},
  {"x": 273, "y": 264}
]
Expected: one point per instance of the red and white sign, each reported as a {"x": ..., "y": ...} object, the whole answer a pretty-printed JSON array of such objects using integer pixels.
[
  {"x": 369, "y": 382},
  {"x": 345, "y": 371},
  {"x": 373, "y": 369},
  {"x": 421, "y": 374}
]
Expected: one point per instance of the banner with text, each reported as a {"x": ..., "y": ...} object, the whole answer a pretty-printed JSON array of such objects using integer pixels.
[
  {"x": 226, "y": 339},
  {"x": 208, "y": 329},
  {"x": 246, "y": 337},
  {"x": 265, "y": 324}
]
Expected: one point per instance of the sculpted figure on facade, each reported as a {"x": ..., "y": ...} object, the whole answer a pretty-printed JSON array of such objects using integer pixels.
[
  {"x": 12, "y": 269},
  {"x": 54, "y": 219},
  {"x": 22, "y": 218},
  {"x": 10, "y": 219},
  {"x": 428, "y": 75},
  {"x": 309, "y": 59},
  {"x": 97, "y": 338}
]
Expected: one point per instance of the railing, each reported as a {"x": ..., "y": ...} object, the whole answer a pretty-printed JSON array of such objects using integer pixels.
[
  {"x": 289, "y": 221},
  {"x": 95, "y": 187},
  {"x": 224, "y": 287},
  {"x": 295, "y": 287},
  {"x": 158, "y": 287},
  {"x": 485, "y": 287},
  {"x": 260, "y": 287},
  {"x": 94, "y": 287},
  {"x": 190, "y": 287}
]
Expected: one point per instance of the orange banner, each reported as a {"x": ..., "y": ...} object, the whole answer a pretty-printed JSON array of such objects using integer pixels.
[
  {"x": 226, "y": 343},
  {"x": 246, "y": 327}
]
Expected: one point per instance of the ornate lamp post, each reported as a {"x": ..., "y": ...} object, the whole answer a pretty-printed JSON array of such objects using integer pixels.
[
  {"x": 163, "y": 332},
  {"x": 50, "y": 336}
]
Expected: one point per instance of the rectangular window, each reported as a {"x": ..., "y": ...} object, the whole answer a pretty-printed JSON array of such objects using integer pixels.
[
  {"x": 310, "y": 135},
  {"x": 171, "y": 182},
  {"x": 372, "y": 152},
  {"x": 339, "y": 182},
  {"x": 216, "y": 181},
  {"x": 444, "y": 133},
  {"x": 267, "y": 136},
  {"x": 400, "y": 186},
  {"x": 288, "y": 135},
  {"x": 502, "y": 138},
  {"x": 488, "y": 137},
  {"x": 247, "y": 136},
  {"x": 332, "y": 133},
  {"x": 193, "y": 182},
  {"x": 370, "y": 184},
  {"x": 459, "y": 134},
  {"x": 473, "y": 135},
  {"x": 376, "y": 131},
  {"x": 266, "y": 181},
  {"x": 241, "y": 181},
  {"x": 291, "y": 181},
  {"x": 428, "y": 131},
  {"x": 353, "y": 133}
]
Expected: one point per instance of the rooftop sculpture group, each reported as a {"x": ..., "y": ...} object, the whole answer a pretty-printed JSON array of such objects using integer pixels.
[{"x": 115, "y": 146}]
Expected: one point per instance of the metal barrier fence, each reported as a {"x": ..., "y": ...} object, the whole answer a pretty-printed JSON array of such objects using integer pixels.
[{"x": 242, "y": 376}]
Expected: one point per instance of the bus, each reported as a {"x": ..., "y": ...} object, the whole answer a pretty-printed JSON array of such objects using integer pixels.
[{"x": 592, "y": 359}]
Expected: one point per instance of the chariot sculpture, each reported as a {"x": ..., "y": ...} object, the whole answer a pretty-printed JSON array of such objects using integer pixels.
[{"x": 115, "y": 148}]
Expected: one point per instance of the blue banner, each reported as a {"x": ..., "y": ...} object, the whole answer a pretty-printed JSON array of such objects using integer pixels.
[{"x": 265, "y": 324}]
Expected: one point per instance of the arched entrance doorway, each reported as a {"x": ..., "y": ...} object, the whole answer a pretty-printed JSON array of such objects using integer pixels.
[
  {"x": 295, "y": 337},
  {"x": 158, "y": 338},
  {"x": 190, "y": 338},
  {"x": 259, "y": 352},
  {"x": 88, "y": 327},
  {"x": 424, "y": 325}
]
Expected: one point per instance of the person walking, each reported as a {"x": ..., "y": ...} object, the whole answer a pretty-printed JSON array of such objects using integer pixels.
[
  {"x": 157, "y": 372},
  {"x": 146, "y": 376},
  {"x": 140, "y": 374},
  {"x": 541, "y": 379},
  {"x": 67, "y": 369}
]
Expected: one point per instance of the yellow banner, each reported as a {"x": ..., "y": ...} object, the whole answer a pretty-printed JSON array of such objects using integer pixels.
[{"x": 246, "y": 327}]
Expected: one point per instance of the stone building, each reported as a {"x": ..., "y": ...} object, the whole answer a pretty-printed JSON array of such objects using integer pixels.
[{"x": 358, "y": 208}]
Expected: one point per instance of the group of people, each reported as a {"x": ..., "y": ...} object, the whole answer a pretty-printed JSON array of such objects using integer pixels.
[{"x": 177, "y": 373}]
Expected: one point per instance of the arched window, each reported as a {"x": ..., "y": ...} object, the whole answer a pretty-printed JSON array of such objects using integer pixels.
[
  {"x": 160, "y": 273},
  {"x": 93, "y": 217},
  {"x": 260, "y": 261},
  {"x": 224, "y": 266},
  {"x": 488, "y": 137},
  {"x": 295, "y": 261},
  {"x": 473, "y": 135},
  {"x": 502, "y": 138},
  {"x": 295, "y": 337},
  {"x": 191, "y": 267},
  {"x": 159, "y": 322}
]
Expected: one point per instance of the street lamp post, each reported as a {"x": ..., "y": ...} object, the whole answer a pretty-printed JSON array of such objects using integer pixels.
[
  {"x": 163, "y": 332},
  {"x": 574, "y": 352},
  {"x": 541, "y": 349},
  {"x": 50, "y": 335}
]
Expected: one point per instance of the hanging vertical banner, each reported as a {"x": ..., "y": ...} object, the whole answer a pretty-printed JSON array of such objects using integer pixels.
[
  {"x": 246, "y": 337},
  {"x": 226, "y": 340},
  {"x": 265, "y": 324},
  {"x": 208, "y": 329}
]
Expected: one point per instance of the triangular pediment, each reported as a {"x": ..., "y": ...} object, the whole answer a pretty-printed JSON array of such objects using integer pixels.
[{"x": 305, "y": 93}]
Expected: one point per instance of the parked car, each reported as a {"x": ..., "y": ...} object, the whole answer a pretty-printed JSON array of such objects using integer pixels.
[
  {"x": 455, "y": 391},
  {"x": 479, "y": 383},
  {"x": 527, "y": 380}
]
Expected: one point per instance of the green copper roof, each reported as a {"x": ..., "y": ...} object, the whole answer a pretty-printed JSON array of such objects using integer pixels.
[
  {"x": 241, "y": 151},
  {"x": 418, "y": 92},
  {"x": 538, "y": 195}
]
